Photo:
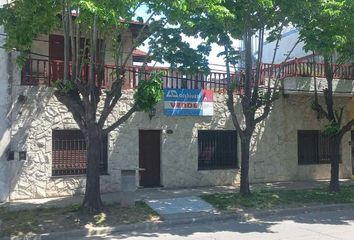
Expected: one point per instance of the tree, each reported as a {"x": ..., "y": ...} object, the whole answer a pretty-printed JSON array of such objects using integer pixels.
[
  {"x": 243, "y": 20},
  {"x": 326, "y": 29},
  {"x": 97, "y": 22}
]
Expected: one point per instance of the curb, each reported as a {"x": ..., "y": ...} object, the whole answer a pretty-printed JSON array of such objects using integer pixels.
[{"x": 148, "y": 226}]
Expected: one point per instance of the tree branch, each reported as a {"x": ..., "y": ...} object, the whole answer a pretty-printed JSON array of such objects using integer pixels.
[
  {"x": 328, "y": 93},
  {"x": 340, "y": 115},
  {"x": 264, "y": 115},
  {"x": 111, "y": 98},
  {"x": 121, "y": 120},
  {"x": 271, "y": 93},
  {"x": 346, "y": 128},
  {"x": 65, "y": 20},
  {"x": 255, "y": 93},
  {"x": 230, "y": 94},
  {"x": 230, "y": 105},
  {"x": 74, "y": 105},
  {"x": 320, "y": 110},
  {"x": 137, "y": 40}
]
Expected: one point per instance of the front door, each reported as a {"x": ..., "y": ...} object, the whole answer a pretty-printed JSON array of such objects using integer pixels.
[{"x": 149, "y": 157}]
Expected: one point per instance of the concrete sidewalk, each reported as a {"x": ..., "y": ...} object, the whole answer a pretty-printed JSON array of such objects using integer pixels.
[
  {"x": 160, "y": 193},
  {"x": 206, "y": 220}
]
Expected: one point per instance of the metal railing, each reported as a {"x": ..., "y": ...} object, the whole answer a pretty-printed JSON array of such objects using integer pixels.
[{"x": 44, "y": 72}]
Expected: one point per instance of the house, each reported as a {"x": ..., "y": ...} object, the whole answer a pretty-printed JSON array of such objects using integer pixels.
[{"x": 43, "y": 152}]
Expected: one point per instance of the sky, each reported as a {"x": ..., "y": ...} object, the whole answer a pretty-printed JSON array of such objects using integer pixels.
[{"x": 214, "y": 61}]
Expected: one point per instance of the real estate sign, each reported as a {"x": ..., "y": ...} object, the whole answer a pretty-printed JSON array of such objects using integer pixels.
[{"x": 188, "y": 102}]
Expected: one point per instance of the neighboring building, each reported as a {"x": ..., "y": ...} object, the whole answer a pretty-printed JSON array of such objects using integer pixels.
[
  {"x": 43, "y": 154},
  {"x": 287, "y": 42}
]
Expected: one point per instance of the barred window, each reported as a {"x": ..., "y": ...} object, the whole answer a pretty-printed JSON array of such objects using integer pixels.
[
  {"x": 217, "y": 149},
  {"x": 69, "y": 153},
  {"x": 313, "y": 147}
]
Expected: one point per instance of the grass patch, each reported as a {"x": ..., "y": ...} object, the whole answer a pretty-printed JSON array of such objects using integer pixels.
[
  {"x": 20, "y": 223},
  {"x": 268, "y": 199}
]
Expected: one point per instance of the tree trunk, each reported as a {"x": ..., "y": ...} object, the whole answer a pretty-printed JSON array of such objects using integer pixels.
[
  {"x": 245, "y": 159},
  {"x": 92, "y": 200},
  {"x": 335, "y": 159}
]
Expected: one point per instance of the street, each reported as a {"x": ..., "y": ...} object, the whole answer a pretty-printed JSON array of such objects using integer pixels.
[{"x": 323, "y": 225}]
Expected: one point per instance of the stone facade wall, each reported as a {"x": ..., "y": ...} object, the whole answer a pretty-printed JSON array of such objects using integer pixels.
[
  {"x": 273, "y": 150},
  {"x": 34, "y": 120}
]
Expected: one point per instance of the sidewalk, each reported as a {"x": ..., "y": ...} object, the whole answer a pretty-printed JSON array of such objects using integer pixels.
[
  {"x": 243, "y": 217},
  {"x": 160, "y": 193},
  {"x": 176, "y": 207}
]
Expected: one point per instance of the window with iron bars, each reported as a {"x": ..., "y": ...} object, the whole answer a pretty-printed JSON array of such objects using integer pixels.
[
  {"x": 313, "y": 147},
  {"x": 217, "y": 149},
  {"x": 69, "y": 153}
]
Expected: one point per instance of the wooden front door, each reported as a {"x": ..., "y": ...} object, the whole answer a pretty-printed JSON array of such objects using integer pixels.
[{"x": 149, "y": 157}]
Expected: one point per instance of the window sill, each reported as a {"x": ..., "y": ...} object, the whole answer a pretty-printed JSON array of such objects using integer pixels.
[
  {"x": 75, "y": 176},
  {"x": 306, "y": 164},
  {"x": 221, "y": 168}
]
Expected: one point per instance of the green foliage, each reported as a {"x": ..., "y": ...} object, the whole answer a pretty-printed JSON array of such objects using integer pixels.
[
  {"x": 266, "y": 199},
  {"x": 65, "y": 86},
  {"x": 263, "y": 97},
  {"x": 168, "y": 45},
  {"x": 23, "y": 20},
  {"x": 149, "y": 93},
  {"x": 326, "y": 26},
  {"x": 53, "y": 219},
  {"x": 231, "y": 56},
  {"x": 331, "y": 129}
]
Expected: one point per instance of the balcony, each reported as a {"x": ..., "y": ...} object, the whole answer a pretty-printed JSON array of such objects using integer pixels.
[
  {"x": 297, "y": 76},
  {"x": 44, "y": 72}
]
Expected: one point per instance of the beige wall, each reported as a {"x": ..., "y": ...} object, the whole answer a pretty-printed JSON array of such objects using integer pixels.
[
  {"x": 40, "y": 45},
  {"x": 274, "y": 156},
  {"x": 307, "y": 84}
]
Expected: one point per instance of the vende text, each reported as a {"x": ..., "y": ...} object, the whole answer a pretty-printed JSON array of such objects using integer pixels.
[{"x": 184, "y": 105}]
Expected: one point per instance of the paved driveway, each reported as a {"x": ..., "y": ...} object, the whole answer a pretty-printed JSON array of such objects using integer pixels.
[
  {"x": 311, "y": 226},
  {"x": 168, "y": 208}
]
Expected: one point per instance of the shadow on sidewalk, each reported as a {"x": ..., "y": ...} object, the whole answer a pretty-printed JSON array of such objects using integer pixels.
[{"x": 264, "y": 225}]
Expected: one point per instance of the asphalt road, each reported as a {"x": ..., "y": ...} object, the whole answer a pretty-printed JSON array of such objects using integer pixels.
[{"x": 320, "y": 225}]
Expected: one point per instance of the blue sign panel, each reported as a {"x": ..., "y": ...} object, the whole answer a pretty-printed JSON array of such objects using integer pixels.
[{"x": 188, "y": 102}]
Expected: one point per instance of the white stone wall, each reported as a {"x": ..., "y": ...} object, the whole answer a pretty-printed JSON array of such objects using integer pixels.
[
  {"x": 273, "y": 150},
  {"x": 34, "y": 120}
]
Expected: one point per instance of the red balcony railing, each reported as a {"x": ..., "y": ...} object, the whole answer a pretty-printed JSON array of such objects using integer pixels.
[{"x": 44, "y": 72}]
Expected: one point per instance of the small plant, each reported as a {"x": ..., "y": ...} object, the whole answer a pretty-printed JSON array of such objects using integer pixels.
[
  {"x": 65, "y": 87},
  {"x": 149, "y": 92},
  {"x": 331, "y": 129}
]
